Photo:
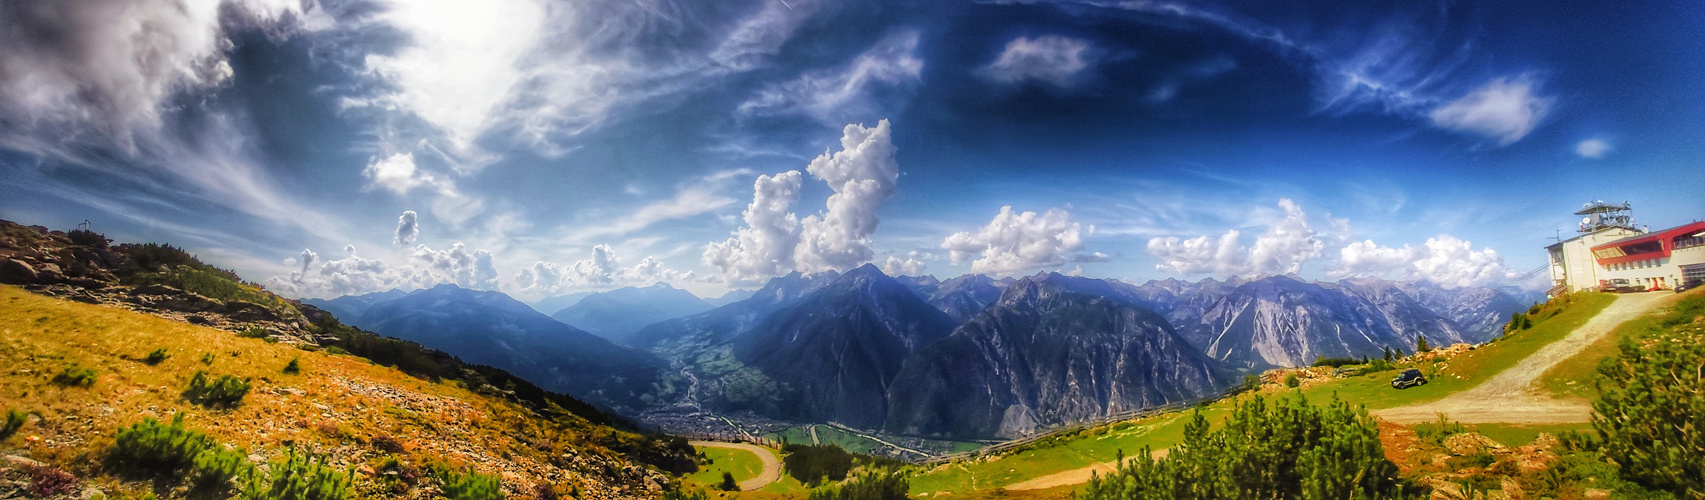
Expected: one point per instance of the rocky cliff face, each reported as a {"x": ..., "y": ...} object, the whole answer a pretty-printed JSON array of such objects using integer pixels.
[
  {"x": 834, "y": 354},
  {"x": 965, "y": 296},
  {"x": 1480, "y": 311},
  {"x": 1283, "y": 322},
  {"x": 1050, "y": 351}
]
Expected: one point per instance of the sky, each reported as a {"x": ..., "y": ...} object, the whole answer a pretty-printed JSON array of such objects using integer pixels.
[{"x": 540, "y": 148}]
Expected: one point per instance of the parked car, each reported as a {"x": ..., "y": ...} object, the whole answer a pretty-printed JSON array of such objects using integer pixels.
[
  {"x": 1409, "y": 378},
  {"x": 1688, "y": 285},
  {"x": 1622, "y": 285}
]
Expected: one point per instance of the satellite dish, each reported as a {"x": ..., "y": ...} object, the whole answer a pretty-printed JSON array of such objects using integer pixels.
[{"x": 1586, "y": 221}]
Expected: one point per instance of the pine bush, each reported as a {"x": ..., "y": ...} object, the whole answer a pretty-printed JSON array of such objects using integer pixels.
[
  {"x": 75, "y": 376},
  {"x": 158, "y": 449},
  {"x": 225, "y": 392},
  {"x": 1289, "y": 449},
  {"x": 14, "y": 420},
  {"x": 470, "y": 486},
  {"x": 300, "y": 476},
  {"x": 1650, "y": 414}
]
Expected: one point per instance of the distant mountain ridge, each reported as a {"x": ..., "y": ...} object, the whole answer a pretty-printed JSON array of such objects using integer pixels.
[
  {"x": 968, "y": 357},
  {"x": 491, "y": 328},
  {"x": 615, "y": 315}
]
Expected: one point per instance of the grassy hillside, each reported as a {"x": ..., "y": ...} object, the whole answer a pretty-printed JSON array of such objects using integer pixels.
[
  {"x": 1574, "y": 376},
  {"x": 1102, "y": 444},
  {"x": 386, "y": 426}
]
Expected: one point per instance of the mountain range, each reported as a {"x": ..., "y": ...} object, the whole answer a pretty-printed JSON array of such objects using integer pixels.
[
  {"x": 1052, "y": 350},
  {"x": 969, "y": 357},
  {"x": 489, "y": 328},
  {"x": 615, "y": 315}
]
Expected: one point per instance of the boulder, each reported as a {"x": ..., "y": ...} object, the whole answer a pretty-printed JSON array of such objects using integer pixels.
[
  {"x": 49, "y": 273},
  {"x": 248, "y": 312},
  {"x": 1469, "y": 443},
  {"x": 17, "y": 272}
]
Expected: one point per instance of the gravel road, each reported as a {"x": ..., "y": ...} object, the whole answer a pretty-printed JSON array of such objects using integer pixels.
[
  {"x": 1513, "y": 396},
  {"x": 772, "y": 465}
]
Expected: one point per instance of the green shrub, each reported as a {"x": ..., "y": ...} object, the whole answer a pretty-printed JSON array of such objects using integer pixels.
[
  {"x": 300, "y": 476},
  {"x": 156, "y": 356},
  {"x": 292, "y": 368},
  {"x": 1436, "y": 432},
  {"x": 336, "y": 350},
  {"x": 675, "y": 493},
  {"x": 207, "y": 359},
  {"x": 75, "y": 376},
  {"x": 1336, "y": 362},
  {"x": 1288, "y": 449},
  {"x": 225, "y": 392},
  {"x": 217, "y": 468},
  {"x": 868, "y": 486},
  {"x": 1652, "y": 402},
  {"x": 255, "y": 332},
  {"x": 14, "y": 420},
  {"x": 470, "y": 486},
  {"x": 156, "y": 449},
  {"x": 1292, "y": 381}
]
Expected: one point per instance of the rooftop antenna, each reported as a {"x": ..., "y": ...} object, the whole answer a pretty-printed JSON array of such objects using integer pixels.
[
  {"x": 1600, "y": 215},
  {"x": 84, "y": 226}
]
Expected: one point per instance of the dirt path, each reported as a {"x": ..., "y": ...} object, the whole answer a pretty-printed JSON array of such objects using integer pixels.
[
  {"x": 1075, "y": 476},
  {"x": 1513, "y": 396},
  {"x": 772, "y": 464}
]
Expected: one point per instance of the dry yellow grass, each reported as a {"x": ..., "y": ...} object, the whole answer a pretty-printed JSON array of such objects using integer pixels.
[{"x": 334, "y": 406}]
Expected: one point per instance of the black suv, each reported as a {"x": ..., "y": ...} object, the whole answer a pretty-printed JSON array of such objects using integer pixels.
[
  {"x": 1688, "y": 286},
  {"x": 1409, "y": 378}
]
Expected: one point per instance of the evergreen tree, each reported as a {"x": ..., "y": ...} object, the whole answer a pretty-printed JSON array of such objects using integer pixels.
[
  {"x": 1421, "y": 344},
  {"x": 728, "y": 483}
]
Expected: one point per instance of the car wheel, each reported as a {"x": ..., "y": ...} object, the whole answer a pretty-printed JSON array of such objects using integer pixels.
[{"x": 1423, "y": 382}]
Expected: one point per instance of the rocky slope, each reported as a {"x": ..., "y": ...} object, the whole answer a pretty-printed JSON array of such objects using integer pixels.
[
  {"x": 615, "y": 315},
  {"x": 1481, "y": 312},
  {"x": 834, "y": 354},
  {"x": 1053, "y": 350},
  {"x": 1280, "y": 321},
  {"x": 384, "y": 408}
]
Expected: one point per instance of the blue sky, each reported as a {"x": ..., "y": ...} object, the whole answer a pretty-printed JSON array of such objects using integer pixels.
[{"x": 541, "y": 148}]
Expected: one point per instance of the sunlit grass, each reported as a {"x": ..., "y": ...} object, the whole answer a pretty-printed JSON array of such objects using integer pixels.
[{"x": 40, "y": 336}]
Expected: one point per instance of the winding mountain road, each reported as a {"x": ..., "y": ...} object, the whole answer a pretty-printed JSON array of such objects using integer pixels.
[
  {"x": 1512, "y": 396},
  {"x": 772, "y": 464}
]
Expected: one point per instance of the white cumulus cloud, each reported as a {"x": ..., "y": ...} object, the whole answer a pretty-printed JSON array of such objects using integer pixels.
[
  {"x": 1051, "y": 58},
  {"x": 775, "y": 241},
  {"x": 354, "y": 274},
  {"x": 1504, "y": 109},
  {"x": 862, "y": 176},
  {"x": 602, "y": 270},
  {"x": 911, "y": 266},
  {"x": 764, "y": 246},
  {"x": 1281, "y": 249},
  {"x": 1444, "y": 260},
  {"x": 407, "y": 229},
  {"x": 1016, "y": 242}
]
